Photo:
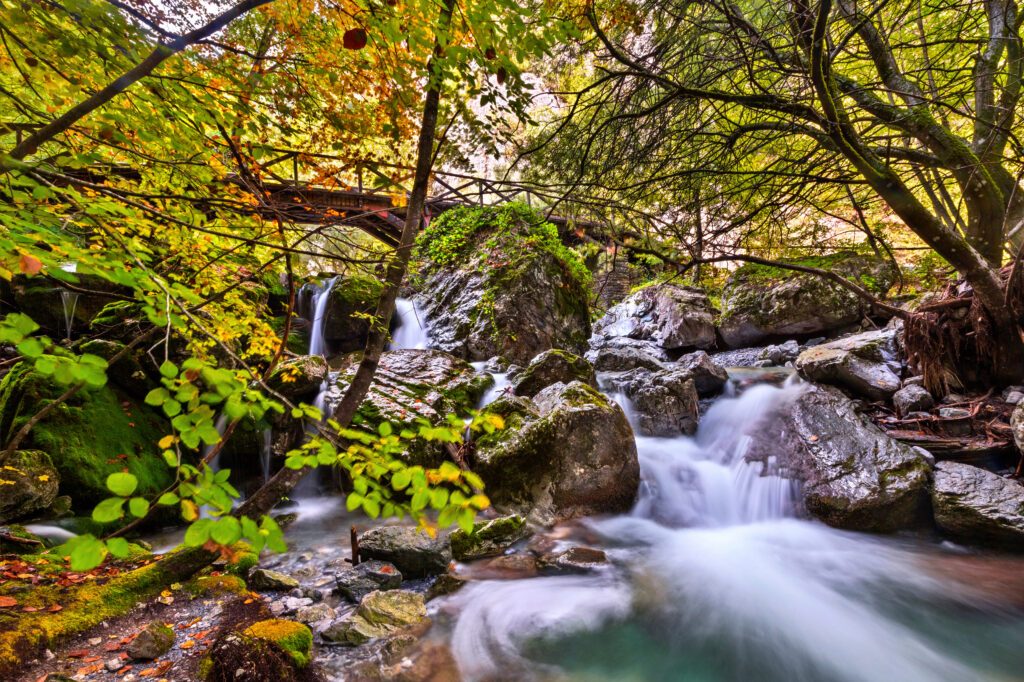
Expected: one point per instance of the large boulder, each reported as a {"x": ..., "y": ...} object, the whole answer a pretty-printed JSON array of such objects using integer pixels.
[
  {"x": 350, "y": 303},
  {"x": 761, "y": 303},
  {"x": 615, "y": 359},
  {"x": 663, "y": 403},
  {"x": 497, "y": 281},
  {"x": 299, "y": 378},
  {"x": 96, "y": 432},
  {"x": 378, "y": 615},
  {"x": 866, "y": 364},
  {"x": 978, "y": 506},
  {"x": 28, "y": 484},
  {"x": 852, "y": 475},
  {"x": 709, "y": 378},
  {"x": 413, "y": 552},
  {"x": 550, "y": 367},
  {"x": 568, "y": 453},
  {"x": 669, "y": 317}
]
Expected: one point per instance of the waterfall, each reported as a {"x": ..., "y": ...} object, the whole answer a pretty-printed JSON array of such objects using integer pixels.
[
  {"x": 320, "y": 298},
  {"x": 69, "y": 301},
  {"x": 713, "y": 578},
  {"x": 267, "y": 453},
  {"x": 497, "y": 389},
  {"x": 412, "y": 330}
]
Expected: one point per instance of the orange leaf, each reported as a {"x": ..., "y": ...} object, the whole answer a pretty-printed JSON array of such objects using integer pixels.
[
  {"x": 8, "y": 601},
  {"x": 30, "y": 265}
]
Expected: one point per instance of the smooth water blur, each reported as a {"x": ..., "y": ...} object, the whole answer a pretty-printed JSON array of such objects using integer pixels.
[
  {"x": 412, "y": 328},
  {"x": 713, "y": 579}
]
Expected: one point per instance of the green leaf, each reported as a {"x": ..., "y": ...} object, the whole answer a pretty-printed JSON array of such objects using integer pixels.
[
  {"x": 88, "y": 554},
  {"x": 439, "y": 498},
  {"x": 157, "y": 396},
  {"x": 384, "y": 429},
  {"x": 198, "y": 533},
  {"x": 226, "y": 531},
  {"x": 353, "y": 501},
  {"x": 122, "y": 483},
  {"x": 168, "y": 499},
  {"x": 401, "y": 480},
  {"x": 31, "y": 347},
  {"x": 371, "y": 507},
  {"x": 119, "y": 547},
  {"x": 110, "y": 509},
  {"x": 138, "y": 506},
  {"x": 168, "y": 369}
]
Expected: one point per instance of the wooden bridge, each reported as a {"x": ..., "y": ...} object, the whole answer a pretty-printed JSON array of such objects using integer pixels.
[{"x": 321, "y": 189}]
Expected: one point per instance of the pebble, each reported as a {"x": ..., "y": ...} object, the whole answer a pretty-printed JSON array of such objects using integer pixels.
[{"x": 114, "y": 664}]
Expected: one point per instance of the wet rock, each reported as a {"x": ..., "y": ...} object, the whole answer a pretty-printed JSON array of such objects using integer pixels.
[
  {"x": 708, "y": 377},
  {"x": 1013, "y": 397},
  {"x": 265, "y": 580},
  {"x": 126, "y": 371},
  {"x": 574, "y": 560},
  {"x": 445, "y": 584},
  {"x": 316, "y": 613},
  {"x": 978, "y": 506},
  {"x": 506, "y": 567},
  {"x": 28, "y": 484},
  {"x": 864, "y": 363},
  {"x": 414, "y": 553},
  {"x": 300, "y": 377},
  {"x": 612, "y": 359},
  {"x": 1017, "y": 426},
  {"x": 852, "y": 475},
  {"x": 664, "y": 403},
  {"x": 346, "y": 323},
  {"x": 760, "y": 303},
  {"x": 355, "y": 582},
  {"x": 550, "y": 367},
  {"x": 912, "y": 398},
  {"x": 569, "y": 453},
  {"x": 498, "y": 298},
  {"x": 666, "y": 316},
  {"x": 488, "y": 537},
  {"x": 427, "y": 662},
  {"x": 155, "y": 640},
  {"x": 379, "y": 614},
  {"x": 778, "y": 355}
]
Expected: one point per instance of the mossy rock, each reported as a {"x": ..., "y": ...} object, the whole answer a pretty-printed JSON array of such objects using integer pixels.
[
  {"x": 127, "y": 373},
  {"x": 550, "y": 367},
  {"x": 489, "y": 538},
  {"x": 295, "y": 639},
  {"x": 95, "y": 433},
  {"x": 351, "y": 300},
  {"x": 28, "y": 484},
  {"x": 379, "y": 614},
  {"x": 48, "y": 303}
]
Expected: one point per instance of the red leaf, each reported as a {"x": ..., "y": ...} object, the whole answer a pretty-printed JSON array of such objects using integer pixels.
[
  {"x": 30, "y": 265},
  {"x": 354, "y": 39},
  {"x": 8, "y": 601}
]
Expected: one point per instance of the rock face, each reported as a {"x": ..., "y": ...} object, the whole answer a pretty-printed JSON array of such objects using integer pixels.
[
  {"x": 379, "y": 614},
  {"x": 668, "y": 317},
  {"x": 412, "y": 552},
  {"x": 664, "y": 403},
  {"x": 28, "y": 484},
  {"x": 762, "y": 303},
  {"x": 852, "y": 475},
  {"x": 550, "y": 367},
  {"x": 978, "y": 506},
  {"x": 486, "y": 293},
  {"x": 623, "y": 359},
  {"x": 864, "y": 363},
  {"x": 568, "y": 453}
]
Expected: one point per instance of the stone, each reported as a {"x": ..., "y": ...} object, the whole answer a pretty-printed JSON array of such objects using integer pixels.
[
  {"x": 1013, "y": 397},
  {"x": 489, "y": 538},
  {"x": 378, "y": 615},
  {"x": 568, "y": 453},
  {"x": 265, "y": 580},
  {"x": 155, "y": 640},
  {"x": 114, "y": 664},
  {"x": 708, "y": 377},
  {"x": 355, "y": 582},
  {"x": 668, "y": 316},
  {"x": 574, "y": 560},
  {"x": 664, "y": 403},
  {"x": 912, "y": 398},
  {"x": 761, "y": 303},
  {"x": 864, "y": 363},
  {"x": 445, "y": 584},
  {"x": 1017, "y": 426},
  {"x": 778, "y": 355},
  {"x": 411, "y": 551},
  {"x": 977, "y": 506},
  {"x": 550, "y": 367},
  {"x": 612, "y": 359},
  {"x": 496, "y": 297},
  {"x": 299, "y": 377},
  {"x": 346, "y": 321},
  {"x": 28, "y": 484},
  {"x": 851, "y": 474},
  {"x": 316, "y": 613}
]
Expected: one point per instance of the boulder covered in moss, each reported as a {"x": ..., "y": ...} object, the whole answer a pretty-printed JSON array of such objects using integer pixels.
[
  {"x": 28, "y": 484},
  {"x": 350, "y": 302},
  {"x": 155, "y": 640},
  {"x": 97, "y": 432},
  {"x": 267, "y": 650},
  {"x": 567, "y": 453},
  {"x": 378, "y": 615},
  {"x": 551, "y": 367},
  {"x": 295, "y": 639},
  {"x": 662, "y": 319},
  {"x": 127, "y": 372},
  {"x": 299, "y": 378},
  {"x": 489, "y": 538},
  {"x": 497, "y": 280},
  {"x": 761, "y": 303}
]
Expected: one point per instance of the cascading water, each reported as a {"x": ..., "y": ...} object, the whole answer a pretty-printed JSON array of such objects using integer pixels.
[
  {"x": 412, "y": 328},
  {"x": 712, "y": 578},
  {"x": 497, "y": 389},
  {"x": 318, "y": 306},
  {"x": 69, "y": 301}
]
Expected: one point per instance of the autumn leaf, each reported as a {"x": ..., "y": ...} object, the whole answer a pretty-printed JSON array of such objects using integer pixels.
[
  {"x": 6, "y": 602},
  {"x": 354, "y": 39},
  {"x": 30, "y": 265}
]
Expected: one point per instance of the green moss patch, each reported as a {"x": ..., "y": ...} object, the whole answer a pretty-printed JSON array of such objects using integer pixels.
[{"x": 293, "y": 638}]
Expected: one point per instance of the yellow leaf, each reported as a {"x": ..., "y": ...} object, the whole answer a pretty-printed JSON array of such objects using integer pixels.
[{"x": 166, "y": 442}]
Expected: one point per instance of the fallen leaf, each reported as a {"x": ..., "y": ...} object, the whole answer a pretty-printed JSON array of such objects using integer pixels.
[
  {"x": 30, "y": 265},
  {"x": 7, "y": 601},
  {"x": 188, "y": 644}
]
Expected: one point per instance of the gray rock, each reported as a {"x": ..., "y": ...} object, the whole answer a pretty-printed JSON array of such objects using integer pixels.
[
  {"x": 1013, "y": 397},
  {"x": 412, "y": 552},
  {"x": 574, "y": 560},
  {"x": 760, "y": 303},
  {"x": 912, "y": 398},
  {"x": 916, "y": 380},
  {"x": 550, "y": 367},
  {"x": 349, "y": 304},
  {"x": 314, "y": 614},
  {"x": 852, "y": 475},
  {"x": 663, "y": 403},
  {"x": 612, "y": 359},
  {"x": 379, "y": 614},
  {"x": 355, "y": 582},
  {"x": 265, "y": 580},
  {"x": 568, "y": 453},
  {"x": 489, "y": 538},
  {"x": 669, "y": 316},
  {"x": 445, "y": 584},
  {"x": 954, "y": 413},
  {"x": 708, "y": 377},
  {"x": 28, "y": 484},
  {"x": 977, "y": 506},
  {"x": 1017, "y": 426},
  {"x": 778, "y": 355},
  {"x": 863, "y": 363},
  {"x": 155, "y": 640},
  {"x": 293, "y": 604}
]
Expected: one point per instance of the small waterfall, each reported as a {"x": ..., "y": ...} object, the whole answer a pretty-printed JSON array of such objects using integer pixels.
[
  {"x": 69, "y": 301},
  {"x": 267, "y": 453},
  {"x": 412, "y": 329},
  {"x": 497, "y": 389},
  {"x": 318, "y": 304}
]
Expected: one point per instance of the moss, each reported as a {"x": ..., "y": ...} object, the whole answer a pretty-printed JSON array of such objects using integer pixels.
[
  {"x": 216, "y": 585},
  {"x": 293, "y": 638},
  {"x": 242, "y": 559},
  {"x": 94, "y": 434}
]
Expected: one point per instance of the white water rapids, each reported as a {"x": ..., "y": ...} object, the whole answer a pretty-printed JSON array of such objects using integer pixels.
[{"x": 713, "y": 579}]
